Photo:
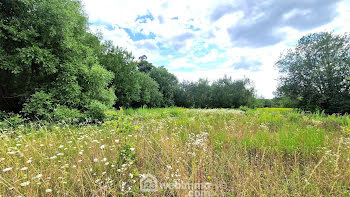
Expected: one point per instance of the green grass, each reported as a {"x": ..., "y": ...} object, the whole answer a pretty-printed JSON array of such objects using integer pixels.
[{"x": 271, "y": 152}]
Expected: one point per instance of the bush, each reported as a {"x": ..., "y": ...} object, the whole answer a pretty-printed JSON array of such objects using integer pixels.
[
  {"x": 2, "y": 115},
  {"x": 113, "y": 114},
  {"x": 63, "y": 113},
  {"x": 244, "y": 108},
  {"x": 11, "y": 121},
  {"x": 96, "y": 111},
  {"x": 39, "y": 106}
]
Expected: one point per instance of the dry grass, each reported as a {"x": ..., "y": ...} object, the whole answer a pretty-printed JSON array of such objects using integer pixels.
[{"x": 262, "y": 152}]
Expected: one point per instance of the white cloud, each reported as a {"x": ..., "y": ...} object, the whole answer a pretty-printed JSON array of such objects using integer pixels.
[
  {"x": 181, "y": 63},
  {"x": 195, "y": 18}
]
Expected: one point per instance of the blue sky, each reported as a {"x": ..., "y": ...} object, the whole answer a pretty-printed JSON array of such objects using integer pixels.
[{"x": 209, "y": 39}]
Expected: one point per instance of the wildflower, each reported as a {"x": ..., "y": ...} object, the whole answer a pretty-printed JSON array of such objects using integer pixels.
[
  {"x": 131, "y": 176},
  {"x": 104, "y": 159},
  {"x": 48, "y": 190},
  {"x": 132, "y": 149},
  {"x": 123, "y": 185},
  {"x": 24, "y": 168},
  {"x": 107, "y": 163},
  {"x": 25, "y": 183},
  {"x": 95, "y": 160},
  {"x": 60, "y": 146},
  {"x": 6, "y": 169},
  {"x": 117, "y": 141},
  {"x": 38, "y": 176},
  {"x": 102, "y": 147},
  {"x": 29, "y": 161}
]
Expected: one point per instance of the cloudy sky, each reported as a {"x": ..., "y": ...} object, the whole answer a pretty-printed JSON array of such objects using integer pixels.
[{"x": 212, "y": 38}]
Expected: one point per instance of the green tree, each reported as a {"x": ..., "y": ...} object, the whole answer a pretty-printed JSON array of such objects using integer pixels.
[
  {"x": 45, "y": 49},
  {"x": 121, "y": 63},
  {"x": 226, "y": 93},
  {"x": 143, "y": 65},
  {"x": 149, "y": 92},
  {"x": 194, "y": 94},
  {"x": 168, "y": 84},
  {"x": 314, "y": 72}
]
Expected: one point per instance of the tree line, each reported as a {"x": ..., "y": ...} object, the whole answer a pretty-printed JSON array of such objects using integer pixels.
[{"x": 52, "y": 67}]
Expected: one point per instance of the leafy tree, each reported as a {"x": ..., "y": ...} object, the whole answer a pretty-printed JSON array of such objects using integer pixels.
[
  {"x": 223, "y": 93},
  {"x": 143, "y": 65},
  {"x": 194, "y": 94},
  {"x": 183, "y": 96},
  {"x": 45, "y": 49},
  {"x": 315, "y": 72},
  {"x": 168, "y": 84},
  {"x": 121, "y": 63},
  {"x": 149, "y": 92},
  {"x": 201, "y": 93},
  {"x": 226, "y": 93},
  {"x": 39, "y": 106}
]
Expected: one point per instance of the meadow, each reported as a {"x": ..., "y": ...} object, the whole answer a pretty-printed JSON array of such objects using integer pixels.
[{"x": 259, "y": 152}]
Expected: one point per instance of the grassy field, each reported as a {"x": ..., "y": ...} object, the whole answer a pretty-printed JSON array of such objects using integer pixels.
[{"x": 265, "y": 152}]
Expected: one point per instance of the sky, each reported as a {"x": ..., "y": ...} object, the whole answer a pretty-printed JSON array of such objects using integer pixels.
[{"x": 212, "y": 38}]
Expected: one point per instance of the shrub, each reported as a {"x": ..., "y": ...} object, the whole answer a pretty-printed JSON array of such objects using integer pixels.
[
  {"x": 244, "y": 108},
  {"x": 63, "y": 113},
  {"x": 39, "y": 106},
  {"x": 2, "y": 115},
  {"x": 96, "y": 110},
  {"x": 11, "y": 121}
]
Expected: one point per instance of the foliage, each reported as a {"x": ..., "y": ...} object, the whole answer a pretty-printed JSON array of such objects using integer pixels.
[
  {"x": 143, "y": 65},
  {"x": 63, "y": 113},
  {"x": 121, "y": 63},
  {"x": 39, "y": 106},
  {"x": 223, "y": 93},
  {"x": 314, "y": 72},
  {"x": 149, "y": 92},
  {"x": 96, "y": 111},
  {"x": 11, "y": 121},
  {"x": 168, "y": 84},
  {"x": 227, "y": 93},
  {"x": 45, "y": 47},
  {"x": 194, "y": 94}
]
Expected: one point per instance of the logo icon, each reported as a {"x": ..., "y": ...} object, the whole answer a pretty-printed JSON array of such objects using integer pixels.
[{"x": 148, "y": 183}]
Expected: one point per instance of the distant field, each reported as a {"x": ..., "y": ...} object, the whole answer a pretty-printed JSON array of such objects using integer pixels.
[{"x": 265, "y": 152}]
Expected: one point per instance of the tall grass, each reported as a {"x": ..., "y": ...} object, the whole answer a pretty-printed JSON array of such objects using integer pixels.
[{"x": 262, "y": 152}]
